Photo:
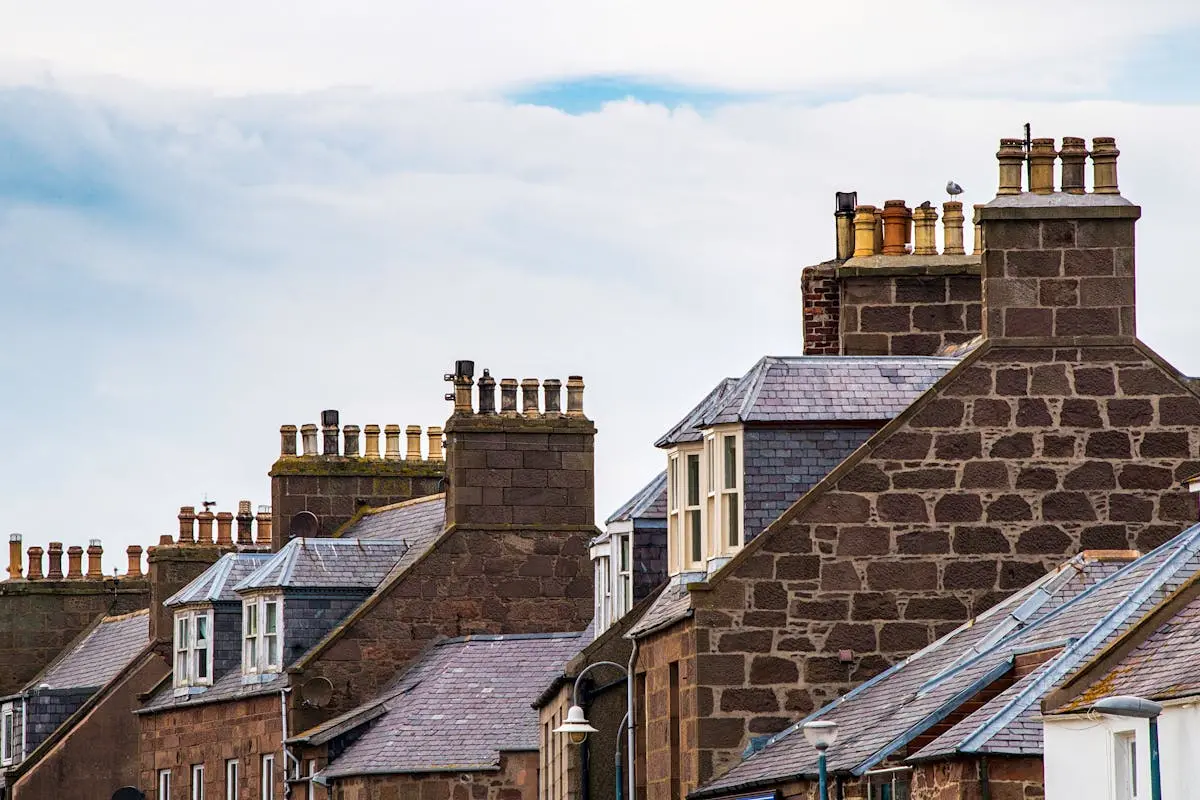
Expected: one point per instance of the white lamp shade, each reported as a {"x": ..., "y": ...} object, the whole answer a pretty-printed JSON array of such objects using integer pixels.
[
  {"x": 576, "y": 723},
  {"x": 820, "y": 733}
]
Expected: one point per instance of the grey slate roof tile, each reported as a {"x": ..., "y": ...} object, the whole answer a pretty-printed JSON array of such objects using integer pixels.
[
  {"x": 226, "y": 687},
  {"x": 650, "y": 502},
  {"x": 326, "y": 564},
  {"x": 1079, "y": 608},
  {"x": 215, "y": 584},
  {"x": 459, "y": 706},
  {"x": 672, "y": 604},
  {"x": 100, "y": 654},
  {"x": 414, "y": 521}
]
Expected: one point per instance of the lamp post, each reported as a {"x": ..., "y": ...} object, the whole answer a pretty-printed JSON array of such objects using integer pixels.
[
  {"x": 821, "y": 734},
  {"x": 576, "y": 726},
  {"x": 1138, "y": 708}
]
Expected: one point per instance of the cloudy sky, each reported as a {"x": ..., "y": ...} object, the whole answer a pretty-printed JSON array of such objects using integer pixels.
[{"x": 219, "y": 217}]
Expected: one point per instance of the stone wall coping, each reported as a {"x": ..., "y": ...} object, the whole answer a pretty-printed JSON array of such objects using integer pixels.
[
  {"x": 326, "y": 466},
  {"x": 505, "y": 423},
  {"x": 1042, "y": 207},
  {"x": 881, "y": 265}
]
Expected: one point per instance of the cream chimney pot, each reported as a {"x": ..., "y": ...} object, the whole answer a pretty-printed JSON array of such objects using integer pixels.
[{"x": 952, "y": 228}]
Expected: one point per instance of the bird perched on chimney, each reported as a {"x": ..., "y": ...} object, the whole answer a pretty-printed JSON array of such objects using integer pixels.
[{"x": 953, "y": 189}]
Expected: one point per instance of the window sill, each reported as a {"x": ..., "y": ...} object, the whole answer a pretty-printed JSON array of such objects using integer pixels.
[
  {"x": 185, "y": 691},
  {"x": 260, "y": 677}
]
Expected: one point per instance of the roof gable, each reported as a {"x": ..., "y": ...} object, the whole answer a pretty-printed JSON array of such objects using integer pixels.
[
  {"x": 326, "y": 564},
  {"x": 99, "y": 654}
]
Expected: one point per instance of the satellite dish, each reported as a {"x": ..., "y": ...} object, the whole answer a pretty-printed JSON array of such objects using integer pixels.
[
  {"x": 317, "y": 692},
  {"x": 128, "y": 793},
  {"x": 304, "y": 524}
]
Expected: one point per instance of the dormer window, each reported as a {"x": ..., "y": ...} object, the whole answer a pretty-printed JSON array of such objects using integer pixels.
[
  {"x": 262, "y": 632},
  {"x": 193, "y": 648},
  {"x": 8, "y": 735},
  {"x": 704, "y": 499}
]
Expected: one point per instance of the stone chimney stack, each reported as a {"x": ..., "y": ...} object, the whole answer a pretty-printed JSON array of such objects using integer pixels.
[
  {"x": 1059, "y": 266},
  {"x": 532, "y": 470}
]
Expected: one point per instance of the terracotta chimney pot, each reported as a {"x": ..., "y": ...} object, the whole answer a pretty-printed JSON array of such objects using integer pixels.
[
  {"x": 74, "y": 562},
  {"x": 952, "y": 228},
  {"x": 14, "y": 556},
  {"x": 54, "y": 570},
  {"x": 897, "y": 219},
  {"x": 133, "y": 555},
  {"x": 1042, "y": 156},
  {"x": 864, "y": 231},
  {"x": 35, "y": 563},
  {"x": 1011, "y": 156}
]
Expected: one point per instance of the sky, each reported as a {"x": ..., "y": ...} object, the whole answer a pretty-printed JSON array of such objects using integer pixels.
[{"x": 220, "y": 217}]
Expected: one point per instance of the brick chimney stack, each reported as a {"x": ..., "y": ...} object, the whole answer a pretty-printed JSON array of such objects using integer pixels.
[{"x": 1059, "y": 266}]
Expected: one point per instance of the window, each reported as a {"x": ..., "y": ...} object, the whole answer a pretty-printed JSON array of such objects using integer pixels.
[
  {"x": 193, "y": 648},
  {"x": 268, "y": 777},
  {"x": 603, "y": 594},
  {"x": 8, "y": 734},
  {"x": 673, "y": 528},
  {"x": 1125, "y": 752},
  {"x": 231, "y": 779},
  {"x": 889, "y": 784},
  {"x": 164, "y": 784},
  {"x": 262, "y": 632},
  {"x": 197, "y": 782},
  {"x": 624, "y": 574},
  {"x": 311, "y": 770},
  {"x": 695, "y": 530},
  {"x": 712, "y": 524},
  {"x": 731, "y": 506}
]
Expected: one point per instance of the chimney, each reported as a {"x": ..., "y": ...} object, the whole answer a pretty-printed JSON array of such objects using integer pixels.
[
  {"x": 1059, "y": 266},
  {"x": 133, "y": 554},
  {"x": 843, "y": 220},
  {"x": 245, "y": 523},
  {"x": 1074, "y": 161},
  {"x": 308, "y": 439},
  {"x": 350, "y": 437},
  {"x": 204, "y": 523},
  {"x": 263, "y": 523},
  {"x": 925, "y": 234},
  {"x": 538, "y": 464},
  {"x": 371, "y": 432},
  {"x": 897, "y": 227},
  {"x": 487, "y": 393},
  {"x": 413, "y": 434},
  {"x": 95, "y": 568},
  {"x": 225, "y": 528},
  {"x": 74, "y": 563},
  {"x": 14, "y": 556},
  {"x": 391, "y": 435},
  {"x": 1042, "y": 156},
  {"x": 977, "y": 248},
  {"x": 329, "y": 432},
  {"x": 952, "y": 228},
  {"x": 35, "y": 563},
  {"x": 287, "y": 440},
  {"x": 170, "y": 567},
  {"x": 864, "y": 232},
  {"x": 435, "y": 444},
  {"x": 54, "y": 571},
  {"x": 187, "y": 524}
]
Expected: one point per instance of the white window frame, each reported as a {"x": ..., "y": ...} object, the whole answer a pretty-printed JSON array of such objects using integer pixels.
[
  {"x": 693, "y": 537},
  {"x": 1125, "y": 765},
  {"x": 730, "y": 494},
  {"x": 8, "y": 735},
  {"x": 623, "y": 566},
  {"x": 188, "y": 651},
  {"x": 674, "y": 525},
  {"x": 267, "y": 777},
  {"x": 164, "y": 784},
  {"x": 311, "y": 767},
  {"x": 197, "y": 782},
  {"x": 257, "y": 640},
  {"x": 231, "y": 779},
  {"x": 604, "y": 613}
]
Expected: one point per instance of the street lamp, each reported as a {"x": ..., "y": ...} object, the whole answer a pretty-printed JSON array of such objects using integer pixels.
[
  {"x": 1138, "y": 708},
  {"x": 577, "y": 727},
  {"x": 821, "y": 734}
]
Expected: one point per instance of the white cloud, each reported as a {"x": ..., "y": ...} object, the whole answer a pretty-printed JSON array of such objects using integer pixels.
[
  {"x": 1015, "y": 47},
  {"x": 187, "y": 275}
]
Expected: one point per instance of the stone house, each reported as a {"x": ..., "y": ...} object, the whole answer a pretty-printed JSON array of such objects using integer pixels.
[
  {"x": 1059, "y": 432},
  {"x": 501, "y": 551},
  {"x": 959, "y": 718}
]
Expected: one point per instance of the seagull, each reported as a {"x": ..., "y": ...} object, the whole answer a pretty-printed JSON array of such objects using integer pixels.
[{"x": 953, "y": 189}]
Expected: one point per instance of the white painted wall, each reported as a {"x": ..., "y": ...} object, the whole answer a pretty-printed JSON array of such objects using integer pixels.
[{"x": 1080, "y": 760}]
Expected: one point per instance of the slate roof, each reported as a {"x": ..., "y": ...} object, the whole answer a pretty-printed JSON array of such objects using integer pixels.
[
  {"x": 649, "y": 503},
  {"x": 326, "y": 564},
  {"x": 458, "y": 707},
  {"x": 225, "y": 687},
  {"x": 104, "y": 651},
  {"x": 414, "y": 521},
  {"x": 1074, "y": 610},
  {"x": 215, "y": 584},
  {"x": 814, "y": 389},
  {"x": 673, "y": 604}
]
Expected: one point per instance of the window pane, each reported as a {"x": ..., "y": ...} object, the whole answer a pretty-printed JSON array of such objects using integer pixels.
[
  {"x": 181, "y": 666},
  {"x": 672, "y": 486},
  {"x": 231, "y": 780},
  {"x": 272, "y": 649},
  {"x": 733, "y": 519},
  {"x": 181, "y": 634},
  {"x": 271, "y": 623},
  {"x": 694, "y": 530},
  {"x": 624, "y": 541},
  {"x": 251, "y": 653},
  {"x": 201, "y": 629},
  {"x": 693, "y": 480},
  {"x": 202, "y": 663},
  {"x": 711, "y": 466},
  {"x": 731, "y": 475},
  {"x": 251, "y": 626}
]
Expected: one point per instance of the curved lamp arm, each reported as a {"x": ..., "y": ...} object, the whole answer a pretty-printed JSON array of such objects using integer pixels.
[{"x": 589, "y": 668}]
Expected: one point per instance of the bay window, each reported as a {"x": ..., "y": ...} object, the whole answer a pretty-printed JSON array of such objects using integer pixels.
[
  {"x": 692, "y": 520},
  {"x": 262, "y": 635},
  {"x": 731, "y": 506},
  {"x": 8, "y": 735},
  {"x": 674, "y": 545},
  {"x": 704, "y": 500},
  {"x": 624, "y": 593},
  {"x": 193, "y": 648}
]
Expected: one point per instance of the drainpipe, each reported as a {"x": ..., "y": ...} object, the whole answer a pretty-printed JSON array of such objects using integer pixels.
[
  {"x": 287, "y": 754},
  {"x": 630, "y": 683},
  {"x": 985, "y": 789}
]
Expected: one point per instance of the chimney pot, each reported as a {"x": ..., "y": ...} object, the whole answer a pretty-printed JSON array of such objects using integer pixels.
[
  {"x": 263, "y": 526},
  {"x": 133, "y": 554},
  {"x": 1011, "y": 156},
  {"x": 287, "y": 440},
  {"x": 413, "y": 434},
  {"x": 1041, "y": 166},
  {"x": 165, "y": 539},
  {"x": 487, "y": 393},
  {"x": 95, "y": 568},
  {"x": 1104, "y": 165},
  {"x": 864, "y": 232},
  {"x": 952, "y": 228},
  {"x": 508, "y": 397},
  {"x": 978, "y": 223},
  {"x": 575, "y": 396},
  {"x": 878, "y": 230},
  {"x": 35, "y": 563},
  {"x": 552, "y": 387},
  {"x": 204, "y": 522},
  {"x": 224, "y": 529},
  {"x": 329, "y": 433},
  {"x": 529, "y": 397},
  {"x": 435, "y": 444},
  {"x": 464, "y": 379},
  {"x": 245, "y": 521},
  {"x": 371, "y": 434},
  {"x": 1074, "y": 157},
  {"x": 391, "y": 435},
  {"x": 925, "y": 234},
  {"x": 187, "y": 524},
  {"x": 350, "y": 437},
  {"x": 74, "y": 562},
  {"x": 14, "y": 556},
  {"x": 308, "y": 439},
  {"x": 54, "y": 556},
  {"x": 843, "y": 219},
  {"x": 897, "y": 227}
]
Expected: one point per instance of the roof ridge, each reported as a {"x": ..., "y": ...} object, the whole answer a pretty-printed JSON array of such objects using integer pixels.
[
  {"x": 508, "y": 637},
  {"x": 412, "y": 501},
  {"x": 127, "y": 615},
  {"x": 758, "y": 378}
]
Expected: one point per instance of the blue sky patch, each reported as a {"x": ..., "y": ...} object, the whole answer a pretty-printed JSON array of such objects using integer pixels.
[{"x": 584, "y": 95}]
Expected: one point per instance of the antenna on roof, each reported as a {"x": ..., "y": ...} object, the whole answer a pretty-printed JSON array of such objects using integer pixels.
[
  {"x": 208, "y": 504},
  {"x": 1028, "y": 161}
]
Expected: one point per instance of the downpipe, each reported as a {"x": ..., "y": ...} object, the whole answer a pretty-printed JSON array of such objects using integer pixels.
[{"x": 287, "y": 754}]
